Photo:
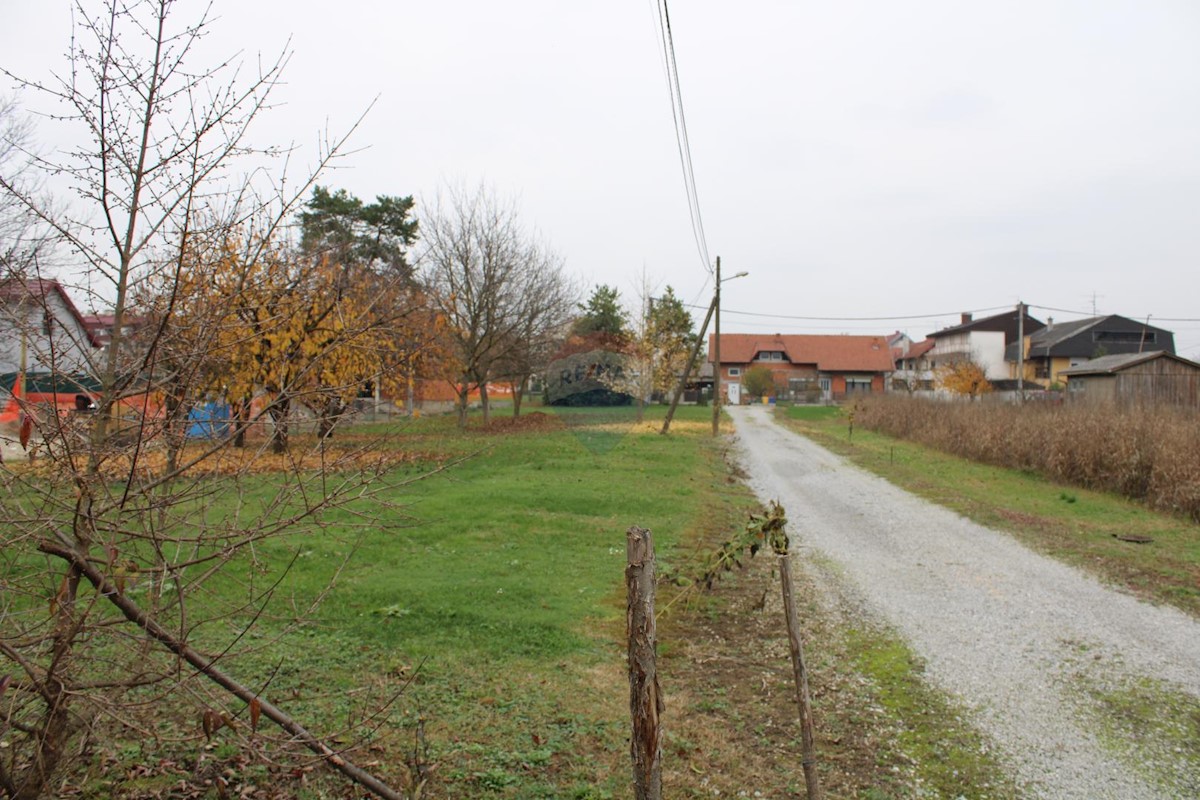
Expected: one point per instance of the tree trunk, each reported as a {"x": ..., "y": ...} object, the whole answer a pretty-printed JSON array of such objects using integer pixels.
[
  {"x": 484, "y": 403},
  {"x": 174, "y": 425},
  {"x": 279, "y": 416},
  {"x": 645, "y": 697},
  {"x": 519, "y": 394},
  {"x": 241, "y": 420},
  {"x": 463, "y": 390},
  {"x": 331, "y": 414}
]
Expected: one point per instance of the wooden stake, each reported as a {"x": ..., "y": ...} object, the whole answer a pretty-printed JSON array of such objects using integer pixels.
[
  {"x": 808, "y": 756},
  {"x": 645, "y": 697}
]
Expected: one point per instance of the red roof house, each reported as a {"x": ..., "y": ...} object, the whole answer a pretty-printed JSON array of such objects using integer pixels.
[{"x": 806, "y": 366}]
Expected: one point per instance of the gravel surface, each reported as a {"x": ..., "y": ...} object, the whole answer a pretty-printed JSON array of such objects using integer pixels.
[{"x": 1013, "y": 634}]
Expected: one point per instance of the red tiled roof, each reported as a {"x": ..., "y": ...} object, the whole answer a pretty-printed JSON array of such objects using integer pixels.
[
  {"x": 827, "y": 353},
  {"x": 919, "y": 349}
]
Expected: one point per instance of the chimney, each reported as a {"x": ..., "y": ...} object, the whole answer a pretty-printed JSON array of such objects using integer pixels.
[
  {"x": 1049, "y": 323},
  {"x": 966, "y": 317}
]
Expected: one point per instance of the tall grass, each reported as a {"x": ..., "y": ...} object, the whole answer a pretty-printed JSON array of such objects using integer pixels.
[{"x": 1148, "y": 455}]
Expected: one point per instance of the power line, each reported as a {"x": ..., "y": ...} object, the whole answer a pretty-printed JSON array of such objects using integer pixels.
[
  {"x": 1061, "y": 310},
  {"x": 860, "y": 319},
  {"x": 703, "y": 291},
  {"x": 681, "y": 134},
  {"x": 1154, "y": 317}
]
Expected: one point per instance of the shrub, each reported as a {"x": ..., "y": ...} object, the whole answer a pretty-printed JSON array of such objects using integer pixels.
[{"x": 759, "y": 381}]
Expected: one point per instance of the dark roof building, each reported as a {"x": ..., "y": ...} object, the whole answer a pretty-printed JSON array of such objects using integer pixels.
[
  {"x": 1009, "y": 323},
  {"x": 1094, "y": 337},
  {"x": 1058, "y": 347}
]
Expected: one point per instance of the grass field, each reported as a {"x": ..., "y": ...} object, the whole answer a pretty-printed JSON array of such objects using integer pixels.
[
  {"x": 496, "y": 587},
  {"x": 1078, "y": 526},
  {"x": 473, "y": 634}
]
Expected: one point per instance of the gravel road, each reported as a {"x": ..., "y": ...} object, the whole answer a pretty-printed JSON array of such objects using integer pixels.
[{"x": 1019, "y": 638}]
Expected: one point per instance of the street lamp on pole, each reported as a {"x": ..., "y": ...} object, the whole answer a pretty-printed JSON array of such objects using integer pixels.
[{"x": 716, "y": 420}]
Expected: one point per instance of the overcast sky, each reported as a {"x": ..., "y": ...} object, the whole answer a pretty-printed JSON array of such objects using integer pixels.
[{"x": 859, "y": 159}]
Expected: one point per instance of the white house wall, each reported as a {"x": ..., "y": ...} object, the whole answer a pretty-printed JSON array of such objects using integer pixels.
[
  {"x": 988, "y": 347},
  {"x": 66, "y": 350},
  {"x": 985, "y": 348}
]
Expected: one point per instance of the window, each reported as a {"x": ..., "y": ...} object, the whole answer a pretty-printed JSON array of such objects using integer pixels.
[
  {"x": 735, "y": 372},
  {"x": 770, "y": 355},
  {"x": 1124, "y": 337},
  {"x": 806, "y": 389}
]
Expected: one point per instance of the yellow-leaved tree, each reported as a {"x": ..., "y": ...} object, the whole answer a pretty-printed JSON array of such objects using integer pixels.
[
  {"x": 279, "y": 329},
  {"x": 963, "y": 377}
]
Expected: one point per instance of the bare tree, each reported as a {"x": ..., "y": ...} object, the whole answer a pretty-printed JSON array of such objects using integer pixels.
[
  {"x": 543, "y": 320},
  {"x": 504, "y": 296},
  {"x": 22, "y": 240},
  {"x": 80, "y": 651}
]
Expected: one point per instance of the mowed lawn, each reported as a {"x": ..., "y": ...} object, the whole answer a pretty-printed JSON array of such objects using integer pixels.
[{"x": 487, "y": 597}]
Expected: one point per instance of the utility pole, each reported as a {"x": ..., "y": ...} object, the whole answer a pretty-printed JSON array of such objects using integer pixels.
[
  {"x": 687, "y": 370},
  {"x": 1021, "y": 350},
  {"x": 716, "y": 425}
]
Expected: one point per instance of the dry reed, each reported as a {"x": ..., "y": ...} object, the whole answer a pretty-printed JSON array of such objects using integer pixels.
[{"x": 1151, "y": 455}]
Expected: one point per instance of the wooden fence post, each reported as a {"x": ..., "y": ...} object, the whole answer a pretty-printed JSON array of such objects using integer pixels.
[
  {"x": 808, "y": 757},
  {"x": 645, "y": 698}
]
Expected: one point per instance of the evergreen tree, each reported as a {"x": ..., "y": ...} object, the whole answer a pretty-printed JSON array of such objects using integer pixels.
[
  {"x": 376, "y": 235},
  {"x": 602, "y": 314}
]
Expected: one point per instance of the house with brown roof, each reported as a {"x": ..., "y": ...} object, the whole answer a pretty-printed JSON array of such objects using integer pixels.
[
  {"x": 805, "y": 366},
  {"x": 914, "y": 366}
]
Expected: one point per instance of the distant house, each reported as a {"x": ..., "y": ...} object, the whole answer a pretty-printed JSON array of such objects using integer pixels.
[
  {"x": 1135, "y": 379},
  {"x": 100, "y": 326},
  {"x": 45, "y": 348},
  {"x": 808, "y": 367},
  {"x": 1058, "y": 347},
  {"x": 982, "y": 341},
  {"x": 914, "y": 366},
  {"x": 41, "y": 330}
]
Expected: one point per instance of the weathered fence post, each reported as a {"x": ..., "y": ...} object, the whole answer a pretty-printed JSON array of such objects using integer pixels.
[
  {"x": 808, "y": 756},
  {"x": 645, "y": 698}
]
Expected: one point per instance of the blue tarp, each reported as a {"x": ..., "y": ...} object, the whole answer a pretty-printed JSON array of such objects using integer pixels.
[{"x": 208, "y": 421}]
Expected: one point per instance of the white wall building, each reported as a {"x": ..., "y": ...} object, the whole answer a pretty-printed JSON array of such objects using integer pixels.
[{"x": 40, "y": 324}]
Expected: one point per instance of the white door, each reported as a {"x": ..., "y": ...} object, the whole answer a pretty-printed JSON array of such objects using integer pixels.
[{"x": 734, "y": 390}]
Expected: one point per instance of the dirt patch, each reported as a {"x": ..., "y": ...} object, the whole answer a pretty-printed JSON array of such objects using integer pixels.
[
  {"x": 151, "y": 462},
  {"x": 1025, "y": 520},
  {"x": 732, "y": 721},
  {"x": 533, "y": 422}
]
